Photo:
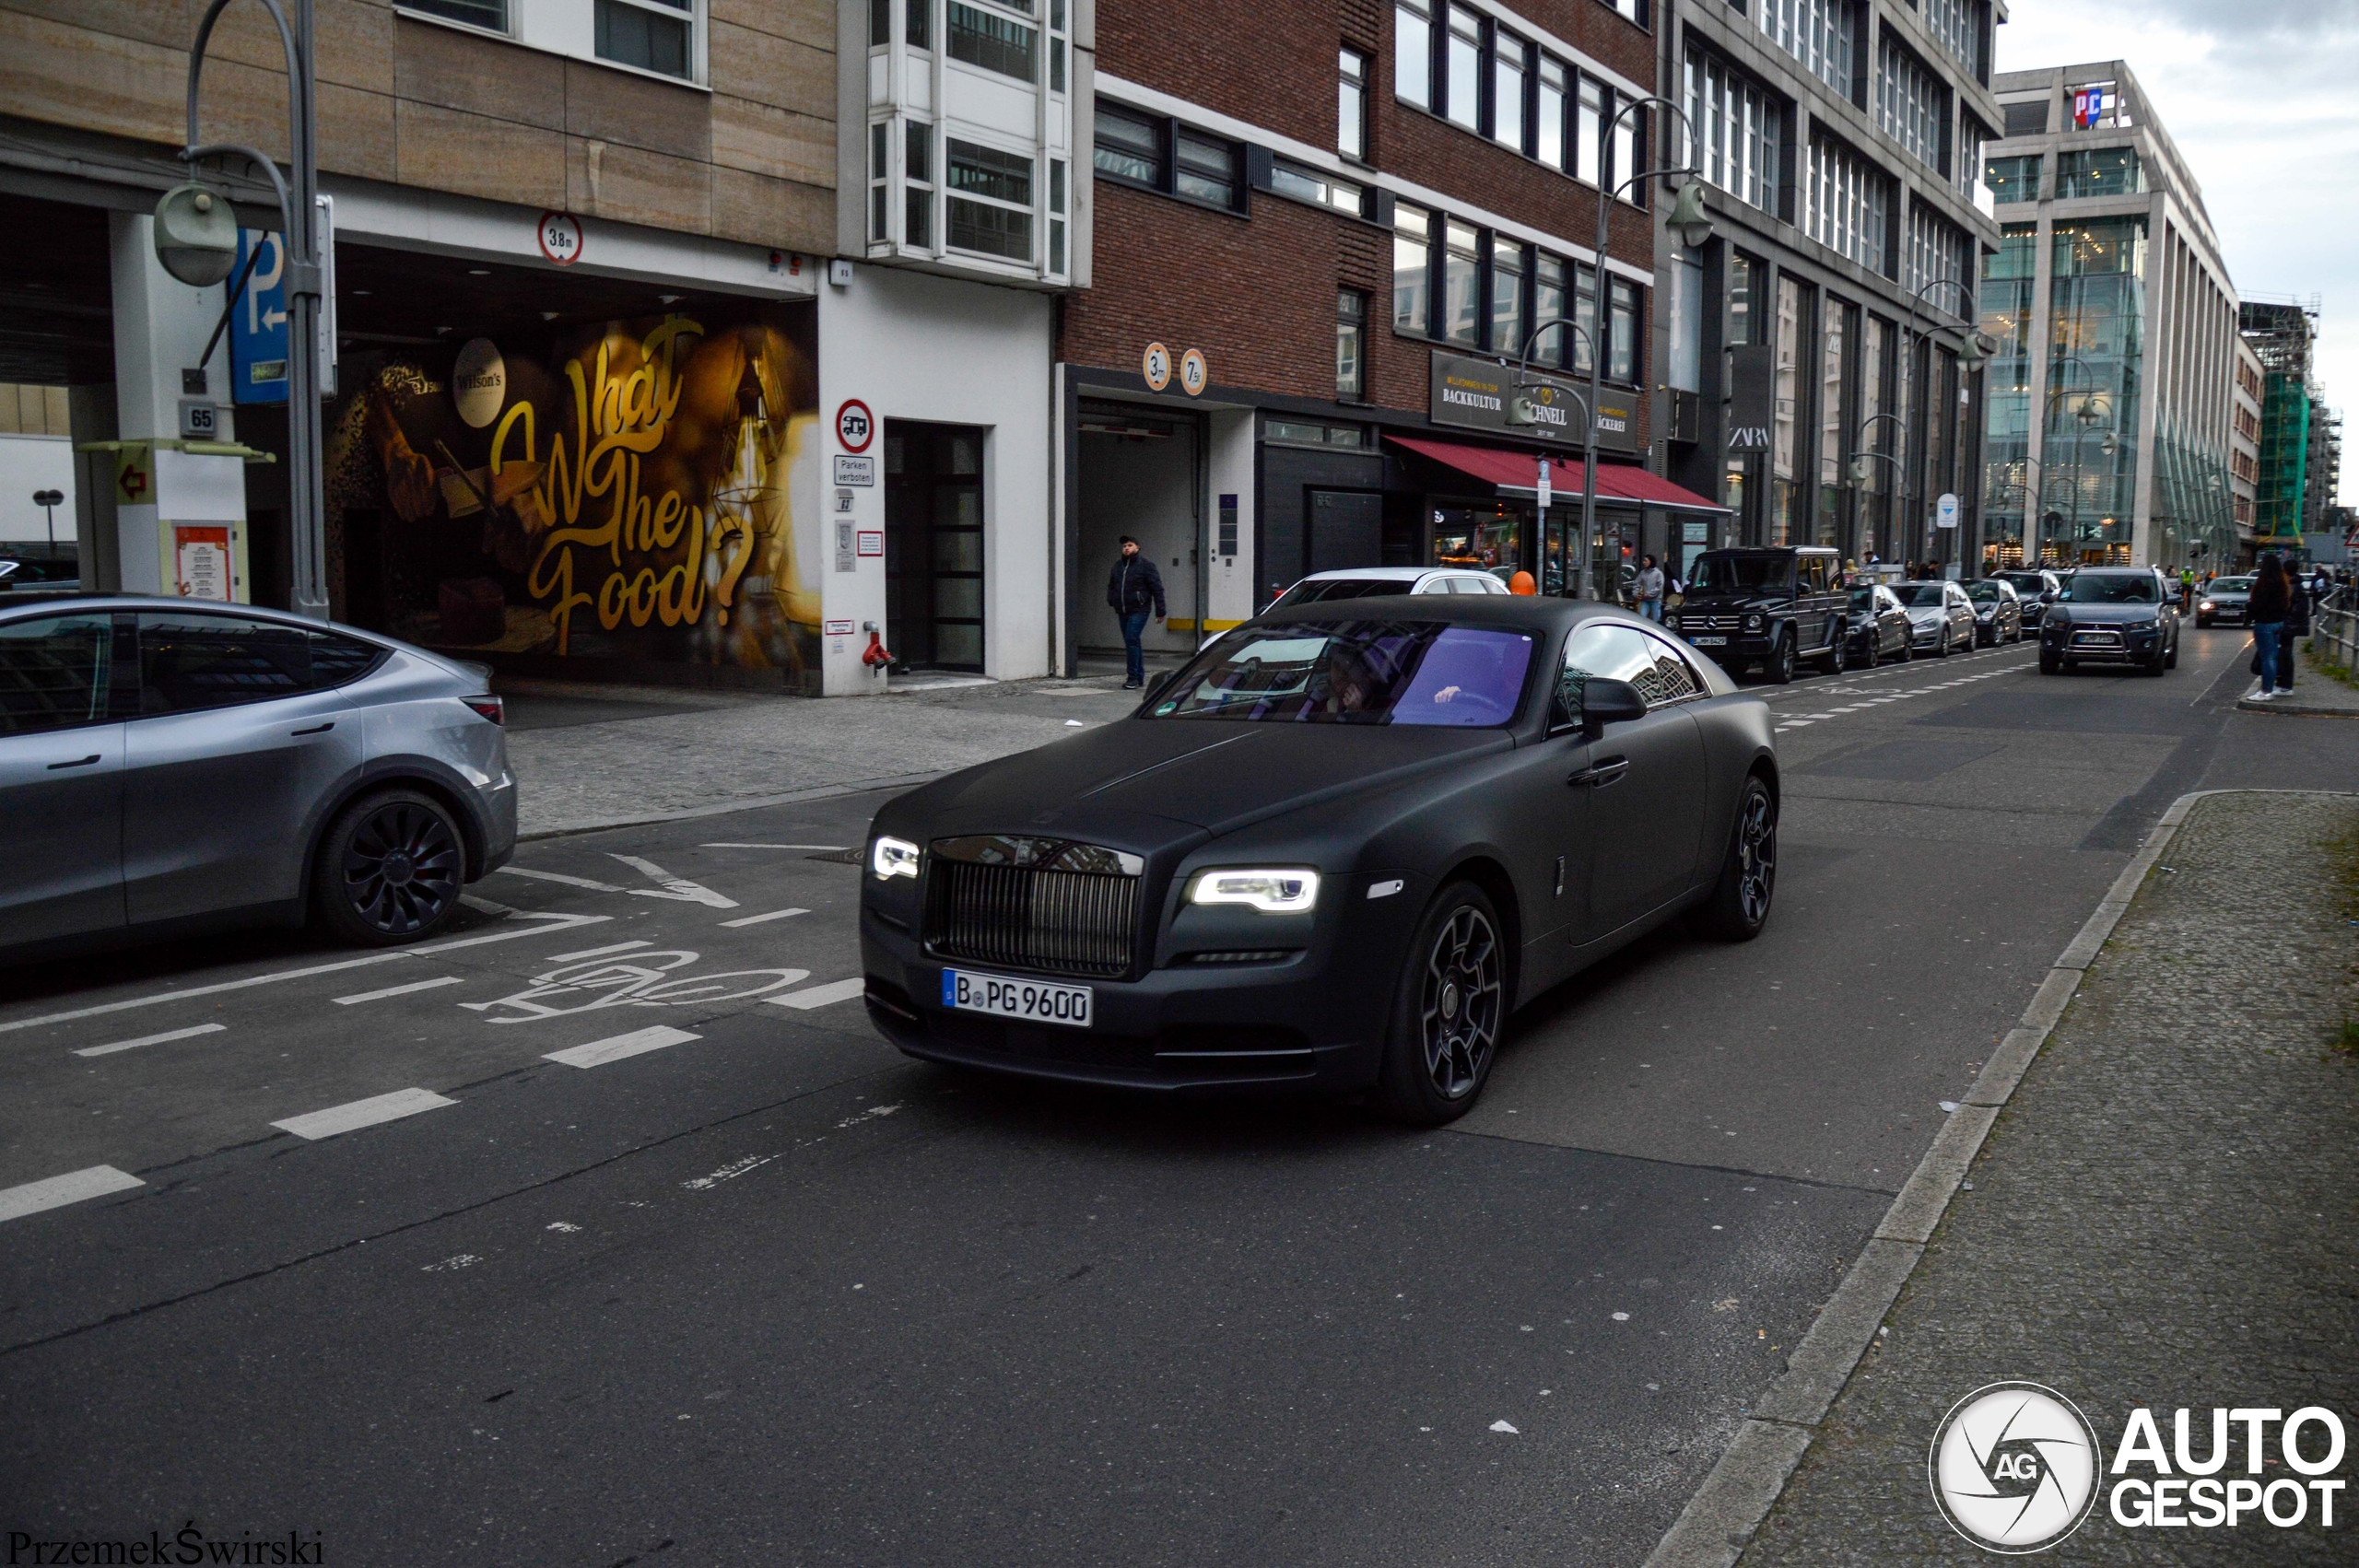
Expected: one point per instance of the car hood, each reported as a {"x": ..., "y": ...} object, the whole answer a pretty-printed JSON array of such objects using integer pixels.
[
  {"x": 2108, "y": 615},
  {"x": 1925, "y": 612},
  {"x": 2233, "y": 596},
  {"x": 1143, "y": 785}
]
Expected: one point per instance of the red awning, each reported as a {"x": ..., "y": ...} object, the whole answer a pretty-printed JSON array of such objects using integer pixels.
[{"x": 1521, "y": 471}]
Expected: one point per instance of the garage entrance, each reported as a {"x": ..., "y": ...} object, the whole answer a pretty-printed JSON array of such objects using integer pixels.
[
  {"x": 934, "y": 544},
  {"x": 1140, "y": 474}
]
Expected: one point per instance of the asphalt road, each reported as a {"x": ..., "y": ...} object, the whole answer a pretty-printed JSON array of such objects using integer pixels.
[{"x": 669, "y": 1259}]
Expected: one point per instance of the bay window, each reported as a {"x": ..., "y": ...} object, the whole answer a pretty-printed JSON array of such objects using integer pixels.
[{"x": 991, "y": 201}]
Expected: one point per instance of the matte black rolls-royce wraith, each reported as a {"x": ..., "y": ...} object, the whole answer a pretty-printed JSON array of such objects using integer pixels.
[{"x": 1334, "y": 853}]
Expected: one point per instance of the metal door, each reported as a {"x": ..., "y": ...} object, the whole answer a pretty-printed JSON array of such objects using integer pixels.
[
  {"x": 1645, "y": 780},
  {"x": 61, "y": 779}
]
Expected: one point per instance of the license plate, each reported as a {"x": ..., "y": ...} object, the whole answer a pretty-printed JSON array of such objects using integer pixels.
[
  {"x": 1709, "y": 642},
  {"x": 1031, "y": 1000}
]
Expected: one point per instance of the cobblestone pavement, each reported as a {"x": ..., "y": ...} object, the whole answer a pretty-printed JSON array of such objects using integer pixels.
[{"x": 2163, "y": 1215}]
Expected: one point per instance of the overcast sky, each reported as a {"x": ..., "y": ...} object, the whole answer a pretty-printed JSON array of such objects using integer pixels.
[{"x": 2262, "y": 97}]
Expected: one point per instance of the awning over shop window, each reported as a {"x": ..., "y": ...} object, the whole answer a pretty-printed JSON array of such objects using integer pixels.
[{"x": 1521, "y": 471}]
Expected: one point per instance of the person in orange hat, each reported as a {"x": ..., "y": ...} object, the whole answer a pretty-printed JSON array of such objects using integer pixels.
[{"x": 1522, "y": 583}]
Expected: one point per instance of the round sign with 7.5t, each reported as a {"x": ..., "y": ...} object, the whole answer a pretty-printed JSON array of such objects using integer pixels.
[{"x": 855, "y": 427}]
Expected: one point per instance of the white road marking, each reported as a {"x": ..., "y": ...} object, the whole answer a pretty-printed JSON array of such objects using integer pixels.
[
  {"x": 15, "y": 1202},
  {"x": 822, "y": 996},
  {"x": 435, "y": 984},
  {"x": 188, "y": 1034},
  {"x": 729, "y": 1172},
  {"x": 757, "y": 919},
  {"x": 774, "y": 847},
  {"x": 561, "y": 877},
  {"x": 358, "y": 1114},
  {"x": 556, "y": 923},
  {"x": 677, "y": 887},
  {"x": 598, "y": 1053},
  {"x": 599, "y": 952}
]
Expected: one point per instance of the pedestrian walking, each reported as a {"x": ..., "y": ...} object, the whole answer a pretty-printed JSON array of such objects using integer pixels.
[
  {"x": 2297, "y": 626},
  {"x": 2272, "y": 601},
  {"x": 1650, "y": 586},
  {"x": 1135, "y": 587}
]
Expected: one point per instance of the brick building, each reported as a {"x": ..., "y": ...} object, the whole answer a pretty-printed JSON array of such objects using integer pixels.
[{"x": 1323, "y": 234}]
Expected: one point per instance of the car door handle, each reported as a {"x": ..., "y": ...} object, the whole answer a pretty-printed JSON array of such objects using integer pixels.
[
  {"x": 77, "y": 762},
  {"x": 1610, "y": 771},
  {"x": 315, "y": 729}
]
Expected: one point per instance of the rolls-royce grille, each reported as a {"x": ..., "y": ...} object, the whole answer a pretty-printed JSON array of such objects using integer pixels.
[{"x": 1015, "y": 901}]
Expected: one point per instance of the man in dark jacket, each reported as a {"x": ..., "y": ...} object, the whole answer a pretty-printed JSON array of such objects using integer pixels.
[{"x": 1134, "y": 588}]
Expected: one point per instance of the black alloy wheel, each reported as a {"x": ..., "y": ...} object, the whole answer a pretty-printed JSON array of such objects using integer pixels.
[
  {"x": 1452, "y": 1004},
  {"x": 2172, "y": 661},
  {"x": 389, "y": 870},
  {"x": 1838, "y": 648},
  {"x": 1738, "y": 906},
  {"x": 1778, "y": 668},
  {"x": 1875, "y": 647},
  {"x": 1942, "y": 649}
]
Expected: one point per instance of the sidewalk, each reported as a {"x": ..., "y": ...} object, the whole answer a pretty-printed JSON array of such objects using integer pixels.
[
  {"x": 2315, "y": 694},
  {"x": 598, "y": 757},
  {"x": 2163, "y": 1215}
]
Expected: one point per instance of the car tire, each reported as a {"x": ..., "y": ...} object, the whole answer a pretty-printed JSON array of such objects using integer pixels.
[
  {"x": 389, "y": 870},
  {"x": 2171, "y": 661},
  {"x": 2201, "y": 624},
  {"x": 1875, "y": 650},
  {"x": 1738, "y": 906},
  {"x": 1942, "y": 649},
  {"x": 1450, "y": 1011},
  {"x": 1839, "y": 648},
  {"x": 2048, "y": 663},
  {"x": 1777, "y": 669}
]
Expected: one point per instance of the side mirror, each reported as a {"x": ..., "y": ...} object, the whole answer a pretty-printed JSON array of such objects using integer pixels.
[{"x": 1607, "y": 702}]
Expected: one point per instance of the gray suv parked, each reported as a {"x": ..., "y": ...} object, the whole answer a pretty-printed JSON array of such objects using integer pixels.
[{"x": 168, "y": 768}]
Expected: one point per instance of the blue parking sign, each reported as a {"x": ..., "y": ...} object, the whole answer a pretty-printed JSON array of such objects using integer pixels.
[{"x": 258, "y": 322}]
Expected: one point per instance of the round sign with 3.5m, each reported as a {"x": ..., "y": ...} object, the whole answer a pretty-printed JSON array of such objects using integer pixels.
[{"x": 855, "y": 427}]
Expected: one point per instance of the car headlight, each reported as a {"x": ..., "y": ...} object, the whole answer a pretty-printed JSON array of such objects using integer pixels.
[
  {"x": 890, "y": 857},
  {"x": 1754, "y": 622},
  {"x": 1272, "y": 892},
  {"x": 2206, "y": 604},
  {"x": 2055, "y": 617},
  {"x": 1985, "y": 615}
]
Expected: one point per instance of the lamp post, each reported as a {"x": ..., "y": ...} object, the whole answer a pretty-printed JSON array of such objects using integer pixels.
[
  {"x": 192, "y": 208},
  {"x": 49, "y": 501},
  {"x": 1970, "y": 354},
  {"x": 2087, "y": 415},
  {"x": 1694, "y": 227},
  {"x": 1521, "y": 411}
]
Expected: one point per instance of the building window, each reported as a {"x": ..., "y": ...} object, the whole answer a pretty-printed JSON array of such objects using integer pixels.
[
  {"x": 1351, "y": 103},
  {"x": 1744, "y": 282},
  {"x": 1507, "y": 328},
  {"x": 880, "y": 177},
  {"x": 1511, "y": 63},
  {"x": 1206, "y": 170},
  {"x": 992, "y": 42},
  {"x": 654, "y": 35},
  {"x": 1622, "y": 349},
  {"x": 1686, "y": 327},
  {"x": 1303, "y": 433},
  {"x": 1351, "y": 345},
  {"x": 917, "y": 22},
  {"x": 917, "y": 175},
  {"x": 1129, "y": 147},
  {"x": 1911, "y": 103},
  {"x": 2026, "y": 117},
  {"x": 1786, "y": 429},
  {"x": 1056, "y": 215},
  {"x": 1626, "y": 167},
  {"x": 1461, "y": 284},
  {"x": 1316, "y": 188},
  {"x": 1956, "y": 26},
  {"x": 1413, "y": 52},
  {"x": 1968, "y": 164},
  {"x": 1738, "y": 128},
  {"x": 1833, "y": 416},
  {"x": 1548, "y": 138},
  {"x": 1413, "y": 268},
  {"x": 1844, "y": 201},
  {"x": 488, "y": 14},
  {"x": 1463, "y": 69},
  {"x": 2100, "y": 171},
  {"x": 2013, "y": 179},
  {"x": 1816, "y": 33},
  {"x": 1548, "y": 304},
  {"x": 991, "y": 201},
  {"x": 1591, "y": 128},
  {"x": 1938, "y": 250},
  {"x": 1585, "y": 346}
]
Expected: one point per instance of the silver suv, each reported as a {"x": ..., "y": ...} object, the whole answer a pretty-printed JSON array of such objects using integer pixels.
[{"x": 168, "y": 768}]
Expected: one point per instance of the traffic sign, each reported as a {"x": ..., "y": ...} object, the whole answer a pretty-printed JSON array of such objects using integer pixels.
[{"x": 855, "y": 427}]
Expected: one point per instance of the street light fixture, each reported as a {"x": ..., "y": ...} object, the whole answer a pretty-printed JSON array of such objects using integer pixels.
[{"x": 49, "y": 501}]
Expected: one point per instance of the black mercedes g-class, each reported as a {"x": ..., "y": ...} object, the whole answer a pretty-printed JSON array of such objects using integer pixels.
[{"x": 1771, "y": 605}]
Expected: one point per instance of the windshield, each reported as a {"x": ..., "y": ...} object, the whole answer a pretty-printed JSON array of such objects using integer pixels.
[
  {"x": 2231, "y": 585},
  {"x": 2026, "y": 582},
  {"x": 1321, "y": 589},
  {"x": 1863, "y": 599},
  {"x": 1983, "y": 592},
  {"x": 1718, "y": 573},
  {"x": 2112, "y": 588},
  {"x": 1918, "y": 595},
  {"x": 1356, "y": 672}
]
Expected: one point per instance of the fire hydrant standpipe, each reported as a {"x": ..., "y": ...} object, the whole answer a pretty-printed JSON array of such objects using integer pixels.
[{"x": 876, "y": 656}]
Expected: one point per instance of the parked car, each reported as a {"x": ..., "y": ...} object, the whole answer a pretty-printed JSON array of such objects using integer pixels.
[
  {"x": 2112, "y": 614},
  {"x": 1998, "y": 613},
  {"x": 1879, "y": 627},
  {"x": 21, "y": 572},
  {"x": 168, "y": 768},
  {"x": 1331, "y": 854},
  {"x": 1772, "y": 607},
  {"x": 1360, "y": 582},
  {"x": 1940, "y": 617},
  {"x": 2227, "y": 602},
  {"x": 2035, "y": 591}
]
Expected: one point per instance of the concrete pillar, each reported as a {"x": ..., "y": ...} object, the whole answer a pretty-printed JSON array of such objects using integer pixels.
[{"x": 175, "y": 513}]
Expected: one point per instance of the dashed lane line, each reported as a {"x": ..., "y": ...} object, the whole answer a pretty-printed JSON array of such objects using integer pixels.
[
  {"x": 74, "y": 1187},
  {"x": 838, "y": 848},
  {"x": 759, "y": 919},
  {"x": 169, "y": 1035},
  {"x": 598, "y": 1053},
  {"x": 1805, "y": 720},
  {"x": 821, "y": 996},
  {"x": 545, "y": 924},
  {"x": 435, "y": 984},
  {"x": 358, "y": 1114},
  {"x": 598, "y": 951}
]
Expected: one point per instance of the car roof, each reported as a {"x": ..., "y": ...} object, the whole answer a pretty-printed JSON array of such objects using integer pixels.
[
  {"x": 1522, "y": 612},
  {"x": 1392, "y": 574}
]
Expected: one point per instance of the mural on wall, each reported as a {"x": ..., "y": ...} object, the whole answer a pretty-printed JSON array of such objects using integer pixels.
[{"x": 629, "y": 494}]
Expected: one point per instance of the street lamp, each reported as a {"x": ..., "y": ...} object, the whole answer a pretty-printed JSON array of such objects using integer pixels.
[
  {"x": 1694, "y": 225},
  {"x": 1971, "y": 355},
  {"x": 192, "y": 224},
  {"x": 1521, "y": 411},
  {"x": 49, "y": 501}
]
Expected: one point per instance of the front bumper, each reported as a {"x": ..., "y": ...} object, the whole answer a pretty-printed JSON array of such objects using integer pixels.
[
  {"x": 1313, "y": 1021},
  {"x": 1928, "y": 635},
  {"x": 2102, "y": 644}
]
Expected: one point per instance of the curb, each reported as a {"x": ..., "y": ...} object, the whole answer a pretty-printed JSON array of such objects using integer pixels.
[{"x": 1719, "y": 1522}]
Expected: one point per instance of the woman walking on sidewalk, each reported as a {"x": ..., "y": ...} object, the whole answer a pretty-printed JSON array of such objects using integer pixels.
[
  {"x": 2272, "y": 599},
  {"x": 2297, "y": 626}
]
